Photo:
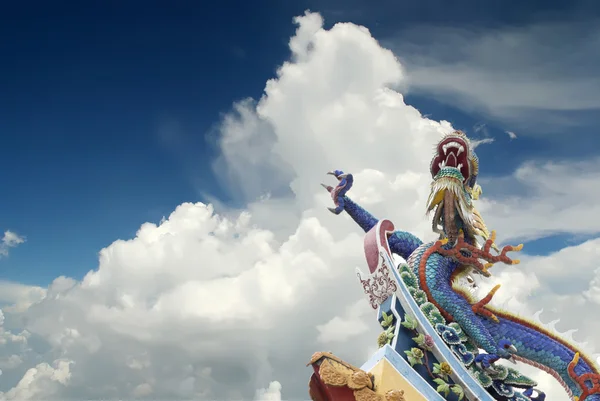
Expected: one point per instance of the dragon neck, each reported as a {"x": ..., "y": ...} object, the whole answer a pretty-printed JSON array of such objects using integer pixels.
[{"x": 452, "y": 201}]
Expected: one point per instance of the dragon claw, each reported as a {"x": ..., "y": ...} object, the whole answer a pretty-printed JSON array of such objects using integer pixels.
[
  {"x": 505, "y": 350},
  {"x": 479, "y": 307},
  {"x": 487, "y": 361},
  {"x": 491, "y": 370},
  {"x": 468, "y": 254},
  {"x": 540, "y": 396},
  {"x": 329, "y": 188},
  {"x": 338, "y": 192}
]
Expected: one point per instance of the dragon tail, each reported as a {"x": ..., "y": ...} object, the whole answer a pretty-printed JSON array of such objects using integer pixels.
[{"x": 546, "y": 351}]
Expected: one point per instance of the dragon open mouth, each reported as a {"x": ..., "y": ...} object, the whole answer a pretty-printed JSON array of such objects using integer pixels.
[
  {"x": 453, "y": 151},
  {"x": 451, "y": 171}
]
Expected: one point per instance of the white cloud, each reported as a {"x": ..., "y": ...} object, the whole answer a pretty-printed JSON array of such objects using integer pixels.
[
  {"x": 271, "y": 393},
  {"x": 215, "y": 306},
  {"x": 9, "y": 240},
  {"x": 593, "y": 293},
  {"x": 544, "y": 198},
  {"x": 507, "y": 73},
  {"x": 480, "y": 127},
  {"x": 351, "y": 324},
  {"x": 11, "y": 362},
  {"x": 476, "y": 142},
  {"x": 19, "y": 296},
  {"x": 40, "y": 382}
]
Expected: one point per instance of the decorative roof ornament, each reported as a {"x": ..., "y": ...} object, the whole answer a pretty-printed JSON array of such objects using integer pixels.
[{"x": 439, "y": 342}]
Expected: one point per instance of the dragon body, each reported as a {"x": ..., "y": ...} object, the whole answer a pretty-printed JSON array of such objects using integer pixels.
[{"x": 437, "y": 266}]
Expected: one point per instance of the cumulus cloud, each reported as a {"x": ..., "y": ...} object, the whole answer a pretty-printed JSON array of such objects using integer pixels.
[
  {"x": 271, "y": 393},
  {"x": 343, "y": 328},
  {"x": 209, "y": 305},
  {"x": 40, "y": 381},
  {"x": 9, "y": 240},
  {"x": 18, "y": 297}
]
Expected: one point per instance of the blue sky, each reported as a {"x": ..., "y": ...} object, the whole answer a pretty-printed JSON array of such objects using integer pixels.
[{"x": 107, "y": 113}]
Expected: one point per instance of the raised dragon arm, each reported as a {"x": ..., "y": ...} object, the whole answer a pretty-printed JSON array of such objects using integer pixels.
[{"x": 401, "y": 243}]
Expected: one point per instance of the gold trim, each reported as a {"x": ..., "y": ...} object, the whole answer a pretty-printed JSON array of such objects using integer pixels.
[
  {"x": 394, "y": 395},
  {"x": 334, "y": 374},
  {"x": 337, "y": 373}
]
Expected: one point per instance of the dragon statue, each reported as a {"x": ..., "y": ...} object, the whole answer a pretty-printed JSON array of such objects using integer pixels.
[{"x": 464, "y": 248}]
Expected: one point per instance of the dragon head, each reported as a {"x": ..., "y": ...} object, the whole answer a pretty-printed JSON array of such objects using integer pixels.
[
  {"x": 454, "y": 169},
  {"x": 339, "y": 174}
]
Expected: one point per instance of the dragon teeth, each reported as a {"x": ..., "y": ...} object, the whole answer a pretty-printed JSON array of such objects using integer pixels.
[{"x": 453, "y": 145}]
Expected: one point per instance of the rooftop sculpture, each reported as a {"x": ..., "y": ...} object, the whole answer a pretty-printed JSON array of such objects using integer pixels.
[{"x": 439, "y": 342}]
